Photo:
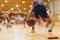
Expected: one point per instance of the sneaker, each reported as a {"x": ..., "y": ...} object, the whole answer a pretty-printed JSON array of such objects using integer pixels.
[
  {"x": 24, "y": 25},
  {"x": 52, "y": 36},
  {"x": 7, "y": 26},
  {"x": 33, "y": 31}
]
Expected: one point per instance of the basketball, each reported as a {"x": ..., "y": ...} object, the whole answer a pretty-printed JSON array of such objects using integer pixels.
[{"x": 30, "y": 22}]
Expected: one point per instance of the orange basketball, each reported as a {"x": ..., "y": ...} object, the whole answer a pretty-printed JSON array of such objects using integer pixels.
[{"x": 30, "y": 22}]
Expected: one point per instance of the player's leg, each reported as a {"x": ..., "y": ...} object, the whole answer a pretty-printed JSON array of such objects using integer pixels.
[
  {"x": 48, "y": 21},
  {"x": 35, "y": 19}
]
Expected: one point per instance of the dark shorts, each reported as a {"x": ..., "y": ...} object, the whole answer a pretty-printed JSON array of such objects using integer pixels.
[{"x": 40, "y": 12}]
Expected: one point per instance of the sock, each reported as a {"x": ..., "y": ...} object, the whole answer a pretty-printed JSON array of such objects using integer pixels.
[{"x": 50, "y": 30}]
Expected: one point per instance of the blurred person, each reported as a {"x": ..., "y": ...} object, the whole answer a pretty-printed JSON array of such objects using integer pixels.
[{"x": 40, "y": 12}]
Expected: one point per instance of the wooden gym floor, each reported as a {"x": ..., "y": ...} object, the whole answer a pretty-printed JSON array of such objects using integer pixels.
[{"x": 19, "y": 32}]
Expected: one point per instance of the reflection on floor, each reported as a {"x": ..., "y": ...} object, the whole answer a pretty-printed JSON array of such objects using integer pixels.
[{"x": 19, "y": 32}]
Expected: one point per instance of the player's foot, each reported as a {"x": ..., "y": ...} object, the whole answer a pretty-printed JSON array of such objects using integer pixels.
[
  {"x": 7, "y": 26},
  {"x": 33, "y": 31},
  {"x": 24, "y": 25},
  {"x": 52, "y": 36}
]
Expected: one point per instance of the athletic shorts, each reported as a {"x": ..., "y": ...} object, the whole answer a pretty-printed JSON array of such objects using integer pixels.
[{"x": 40, "y": 12}]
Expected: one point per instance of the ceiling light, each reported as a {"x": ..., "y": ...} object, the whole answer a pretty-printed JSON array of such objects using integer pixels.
[
  {"x": 23, "y": 1},
  {"x": 19, "y": 10},
  {"x": 6, "y": 1},
  {"x": 24, "y": 8},
  {"x": 29, "y": 10},
  {"x": 2, "y": 5},
  {"x": 17, "y": 5},
  {"x": 30, "y": 6},
  {"x": 12, "y": 8},
  {"x": 6, "y": 11}
]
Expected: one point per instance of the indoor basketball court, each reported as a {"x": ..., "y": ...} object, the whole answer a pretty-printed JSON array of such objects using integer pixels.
[{"x": 17, "y": 22}]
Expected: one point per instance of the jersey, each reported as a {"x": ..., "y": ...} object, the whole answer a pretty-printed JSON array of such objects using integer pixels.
[{"x": 41, "y": 2}]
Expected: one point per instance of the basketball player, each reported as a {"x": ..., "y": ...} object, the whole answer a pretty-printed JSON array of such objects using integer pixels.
[
  {"x": 40, "y": 13},
  {"x": 25, "y": 20},
  {"x": 3, "y": 22},
  {"x": 8, "y": 19}
]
